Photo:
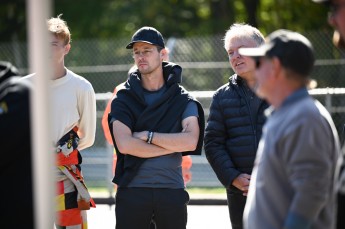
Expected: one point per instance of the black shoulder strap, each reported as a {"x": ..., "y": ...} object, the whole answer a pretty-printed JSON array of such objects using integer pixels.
[{"x": 14, "y": 80}]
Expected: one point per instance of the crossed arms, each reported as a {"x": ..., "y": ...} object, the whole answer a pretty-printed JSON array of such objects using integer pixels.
[{"x": 162, "y": 143}]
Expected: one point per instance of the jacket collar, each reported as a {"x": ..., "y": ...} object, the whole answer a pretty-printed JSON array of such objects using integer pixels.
[
  {"x": 172, "y": 73},
  {"x": 236, "y": 80}
]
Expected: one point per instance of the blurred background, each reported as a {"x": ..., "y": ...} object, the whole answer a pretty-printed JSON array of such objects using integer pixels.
[{"x": 193, "y": 31}]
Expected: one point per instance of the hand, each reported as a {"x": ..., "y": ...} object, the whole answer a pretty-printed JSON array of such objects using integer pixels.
[
  {"x": 242, "y": 183},
  {"x": 187, "y": 175},
  {"x": 184, "y": 128}
]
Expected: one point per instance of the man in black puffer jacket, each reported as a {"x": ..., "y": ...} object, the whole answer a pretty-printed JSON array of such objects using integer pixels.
[{"x": 235, "y": 122}]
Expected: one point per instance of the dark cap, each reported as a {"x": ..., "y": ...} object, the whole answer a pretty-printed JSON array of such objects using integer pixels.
[
  {"x": 294, "y": 51},
  {"x": 148, "y": 35}
]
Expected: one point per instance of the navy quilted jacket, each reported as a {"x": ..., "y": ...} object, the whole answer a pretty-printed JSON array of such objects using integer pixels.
[{"x": 231, "y": 136}]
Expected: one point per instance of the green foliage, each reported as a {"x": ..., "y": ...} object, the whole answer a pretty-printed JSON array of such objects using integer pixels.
[
  {"x": 106, "y": 19},
  {"x": 12, "y": 20},
  {"x": 297, "y": 15}
]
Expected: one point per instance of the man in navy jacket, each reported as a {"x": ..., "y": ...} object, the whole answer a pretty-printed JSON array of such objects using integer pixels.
[{"x": 235, "y": 122}]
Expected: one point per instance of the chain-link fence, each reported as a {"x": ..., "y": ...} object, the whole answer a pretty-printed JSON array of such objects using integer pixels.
[{"x": 105, "y": 64}]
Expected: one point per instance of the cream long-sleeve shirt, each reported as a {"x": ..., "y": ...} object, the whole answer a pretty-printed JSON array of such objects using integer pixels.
[{"x": 73, "y": 104}]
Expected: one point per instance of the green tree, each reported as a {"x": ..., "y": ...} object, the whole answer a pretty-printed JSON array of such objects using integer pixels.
[
  {"x": 180, "y": 18},
  {"x": 12, "y": 20}
]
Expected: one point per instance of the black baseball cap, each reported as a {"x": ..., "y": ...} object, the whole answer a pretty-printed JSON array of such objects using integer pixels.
[
  {"x": 294, "y": 51},
  {"x": 148, "y": 35}
]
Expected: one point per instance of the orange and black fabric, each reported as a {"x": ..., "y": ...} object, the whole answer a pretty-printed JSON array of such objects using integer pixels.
[{"x": 72, "y": 194}]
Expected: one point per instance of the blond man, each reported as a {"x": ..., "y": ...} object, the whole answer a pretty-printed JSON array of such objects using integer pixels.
[{"x": 74, "y": 125}]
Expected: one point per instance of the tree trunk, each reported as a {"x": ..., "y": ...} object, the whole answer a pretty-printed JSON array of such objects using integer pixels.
[{"x": 252, "y": 6}]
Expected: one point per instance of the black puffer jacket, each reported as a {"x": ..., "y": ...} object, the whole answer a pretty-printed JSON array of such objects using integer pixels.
[{"x": 231, "y": 136}]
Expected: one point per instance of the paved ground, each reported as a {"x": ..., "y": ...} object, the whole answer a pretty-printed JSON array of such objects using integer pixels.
[{"x": 199, "y": 217}]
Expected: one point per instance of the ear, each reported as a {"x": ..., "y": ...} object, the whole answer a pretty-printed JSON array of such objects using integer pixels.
[
  {"x": 67, "y": 48},
  {"x": 276, "y": 66},
  {"x": 164, "y": 55}
]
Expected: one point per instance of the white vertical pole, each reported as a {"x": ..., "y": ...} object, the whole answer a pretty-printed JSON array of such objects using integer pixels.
[{"x": 38, "y": 11}]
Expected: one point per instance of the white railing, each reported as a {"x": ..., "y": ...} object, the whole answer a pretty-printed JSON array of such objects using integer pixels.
[{"x": 98, "y": 160}]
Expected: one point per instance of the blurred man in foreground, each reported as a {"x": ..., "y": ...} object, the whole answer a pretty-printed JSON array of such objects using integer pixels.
[{"x": 294, "y": 178}]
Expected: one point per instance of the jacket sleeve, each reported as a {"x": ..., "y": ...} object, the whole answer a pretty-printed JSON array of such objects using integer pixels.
[
  {"x": 311, "y": 173},
  {"x": 215, "y": 144}
]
